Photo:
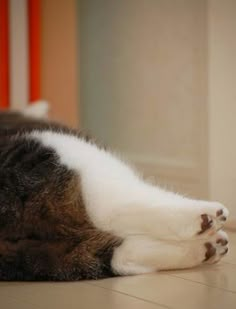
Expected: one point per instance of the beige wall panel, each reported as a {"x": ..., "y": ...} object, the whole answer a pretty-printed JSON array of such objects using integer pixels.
[
  {"x": 144, "y": 85},
  {"x": 222, "y": 101}
]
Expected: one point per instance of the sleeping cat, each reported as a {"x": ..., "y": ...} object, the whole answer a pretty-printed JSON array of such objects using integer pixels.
[{"x": 71, "y": 210}]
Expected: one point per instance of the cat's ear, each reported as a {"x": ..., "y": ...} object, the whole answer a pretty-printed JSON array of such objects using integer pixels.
[{"x": 39, "y": 110}]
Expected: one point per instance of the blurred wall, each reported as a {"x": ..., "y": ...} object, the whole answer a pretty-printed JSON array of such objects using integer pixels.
[
  {"x": 144, "y": 85},
  {"x": 222, "y": 101},
  {"x": 59, "y": 78},
  {"x": 158, "y": 85}
]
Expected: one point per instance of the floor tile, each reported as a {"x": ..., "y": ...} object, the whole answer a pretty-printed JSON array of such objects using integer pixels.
[
  {"x": 220, "y": 275},
  {"x": 68, "y": 295},
  {"x": 171, "y": 291}
]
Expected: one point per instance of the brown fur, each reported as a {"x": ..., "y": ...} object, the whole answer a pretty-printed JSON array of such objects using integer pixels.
[{"x": 45, "y": 232}]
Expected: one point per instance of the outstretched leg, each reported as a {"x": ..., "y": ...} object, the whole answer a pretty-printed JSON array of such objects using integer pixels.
[
  {"x": 140, "y": 254},
  {"x": 165, "y": 215}
]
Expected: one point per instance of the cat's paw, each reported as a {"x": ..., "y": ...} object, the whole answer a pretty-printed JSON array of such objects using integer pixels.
[
  {"x": 201, "y": 220},
  {"x": 213, "y": 219},
  {"x": 216, "y": 247}
]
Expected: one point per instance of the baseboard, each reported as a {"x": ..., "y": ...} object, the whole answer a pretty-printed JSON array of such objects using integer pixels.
[{"x": 231, "y": 224}]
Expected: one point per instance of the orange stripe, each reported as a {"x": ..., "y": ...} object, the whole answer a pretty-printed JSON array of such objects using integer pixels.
[
  {"x": 34, "y": 49},
  {"x": 4, "y": 56}
]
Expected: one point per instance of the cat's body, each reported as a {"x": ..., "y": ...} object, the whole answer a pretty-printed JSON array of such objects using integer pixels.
[{"x": 70, "y": 210}]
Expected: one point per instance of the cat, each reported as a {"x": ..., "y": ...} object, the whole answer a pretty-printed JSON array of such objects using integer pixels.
[{"x": 72, "y": 210}]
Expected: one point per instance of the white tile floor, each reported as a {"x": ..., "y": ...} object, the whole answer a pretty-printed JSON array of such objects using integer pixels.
[{"x": 209, "y": 287}]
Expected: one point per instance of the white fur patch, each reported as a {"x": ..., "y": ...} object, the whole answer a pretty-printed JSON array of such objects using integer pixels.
[
  {"x": 117, "y": 200},
  {"x": 38, "y": 110}
]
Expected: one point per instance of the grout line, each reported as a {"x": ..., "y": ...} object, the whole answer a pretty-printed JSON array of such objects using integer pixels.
[
  {"x": 133, "y": 296},
  {"x": 201, "y": 283}
]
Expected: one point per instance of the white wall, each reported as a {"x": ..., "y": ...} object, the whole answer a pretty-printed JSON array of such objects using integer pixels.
[
  {"x": 144, "y": 83},
  {"x": 222, "y": 101},
  {"x": 158, "y": 82}
]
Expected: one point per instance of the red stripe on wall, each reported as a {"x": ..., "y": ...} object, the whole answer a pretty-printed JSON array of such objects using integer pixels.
[
  {"x": 4, "y": 55},
  {"x": 34, "y": 49}
]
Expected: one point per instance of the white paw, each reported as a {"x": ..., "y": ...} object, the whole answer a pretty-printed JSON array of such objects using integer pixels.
[
  {"x": 216, "y": 247},
  {"x": 207, "y": 251},
  {"x": 213, "y": 218},
  {"x": 201, "y": 219}
]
